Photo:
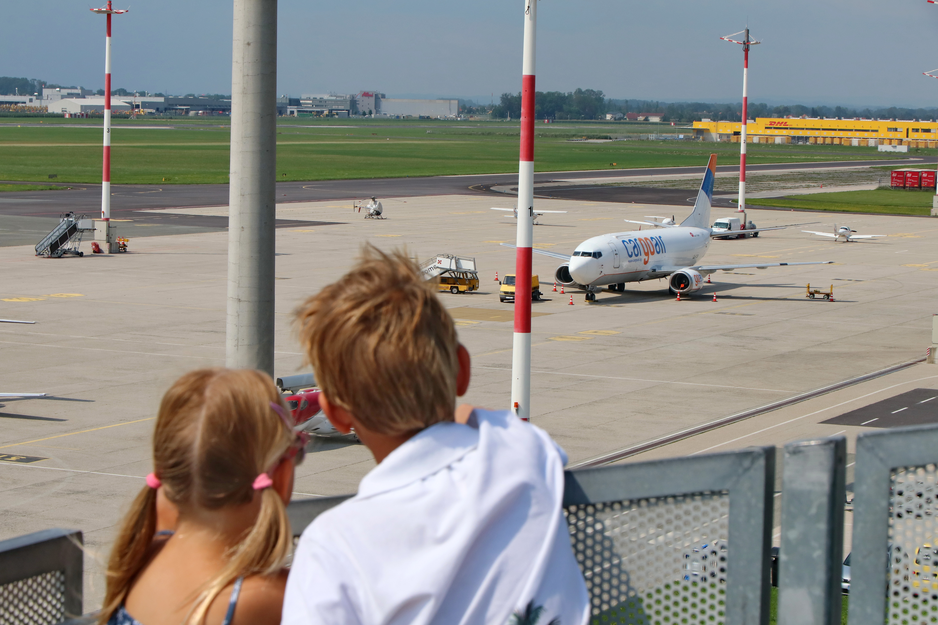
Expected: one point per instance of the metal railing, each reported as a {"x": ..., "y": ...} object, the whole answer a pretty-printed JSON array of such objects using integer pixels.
[
  {"x": 41, "y": 578},
  {"x": 653, "y": 538},
  {"x": 680, "y": 540}
]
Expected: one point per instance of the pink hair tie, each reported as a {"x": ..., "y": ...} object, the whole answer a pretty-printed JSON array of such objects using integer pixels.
[
  {"x": 153, "y": 481},
  {"x": 263, "y": 481}
]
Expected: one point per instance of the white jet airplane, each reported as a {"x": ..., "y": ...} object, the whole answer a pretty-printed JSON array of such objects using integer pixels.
[
  {"x": 536, "y": 214},
  {"x": 617, "y": 258},
  {"x": 845, "y": 234}
]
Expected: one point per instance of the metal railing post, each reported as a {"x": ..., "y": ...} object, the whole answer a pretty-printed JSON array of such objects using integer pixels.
[{"x": 811, "y": 552}]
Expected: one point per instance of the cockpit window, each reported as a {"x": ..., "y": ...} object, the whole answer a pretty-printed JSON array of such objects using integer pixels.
[
  {"x": 597, "y": 254},
  {"x": 579, "y": 253}
]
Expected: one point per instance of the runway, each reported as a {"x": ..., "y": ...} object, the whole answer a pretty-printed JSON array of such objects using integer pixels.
[{"x": 25, "y": 217}]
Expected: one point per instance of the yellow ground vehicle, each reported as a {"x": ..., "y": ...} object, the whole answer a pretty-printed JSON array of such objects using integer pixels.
[
  {"x": 459, "y": 281},
  {"x": 506, "y": 290}
]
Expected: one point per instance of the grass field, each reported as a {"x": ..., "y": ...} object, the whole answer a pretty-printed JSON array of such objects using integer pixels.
[
  {"x": 881, "y": 201},
  {"x": 189, "y": 151}
]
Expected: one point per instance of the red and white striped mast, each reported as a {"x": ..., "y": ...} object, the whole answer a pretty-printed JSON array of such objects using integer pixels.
[
  {"x": 934, "y": 202},
  {"x": 932, "y": 74},
  {"x": 106, "y": 170},
  {"x": 521, "y": 346},
  {"x": 745, "y": 43}
]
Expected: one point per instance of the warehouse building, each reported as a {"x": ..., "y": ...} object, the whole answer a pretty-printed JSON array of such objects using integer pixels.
[
  {"x": 856, "y": 132},
  {"x": 394, "y": 107}
]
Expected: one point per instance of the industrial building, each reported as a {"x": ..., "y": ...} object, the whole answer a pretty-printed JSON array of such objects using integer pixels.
[
  {"x": 856, "y": 132},
  {"x": 368, "y": 103}
]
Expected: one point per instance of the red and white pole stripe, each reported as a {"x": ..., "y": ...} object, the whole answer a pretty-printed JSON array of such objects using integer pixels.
[
  {"x": 742, "y": 148},
  {"x": 521, "y": 346},
  {"x": 106, "y": 172}
]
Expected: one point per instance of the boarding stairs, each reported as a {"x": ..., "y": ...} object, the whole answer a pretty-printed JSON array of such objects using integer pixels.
[
  {"x": 446, "y": 263},
  {"x": 65, "y": 238}
]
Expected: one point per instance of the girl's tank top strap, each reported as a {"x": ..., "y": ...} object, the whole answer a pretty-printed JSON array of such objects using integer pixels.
[{"x": 233, "y": 601}]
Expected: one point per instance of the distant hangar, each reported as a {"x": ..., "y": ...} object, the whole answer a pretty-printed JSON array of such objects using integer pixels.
[{"x": 856, "y": 132}]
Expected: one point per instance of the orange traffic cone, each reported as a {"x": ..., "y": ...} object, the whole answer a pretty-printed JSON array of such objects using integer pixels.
[
  {"x": 708, "y": 278},
  {"x": 571, "y": 300},
  {"x": 831, "y": 298},
  {"x": 555, "y": 287},
  {"x": 561, "y": 289},
  {"x": 714, "y": 296},
  {"x": 496, "y": 276},
  {"x": 678, "y": 296}
]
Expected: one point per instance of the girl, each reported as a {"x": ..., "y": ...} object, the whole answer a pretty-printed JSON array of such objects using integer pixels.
[{"x": 224, "y": 452}]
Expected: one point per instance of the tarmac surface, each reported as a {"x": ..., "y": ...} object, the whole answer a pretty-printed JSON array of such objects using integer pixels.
[
  {"x": 113, "y": 332},
  {"x": 25, "y": 217}
]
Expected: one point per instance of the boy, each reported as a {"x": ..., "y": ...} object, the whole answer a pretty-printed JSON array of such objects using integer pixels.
[{"x": 460, "y": 522}]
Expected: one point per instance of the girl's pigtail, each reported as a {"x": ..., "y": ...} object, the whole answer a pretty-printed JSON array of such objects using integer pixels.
[
  {"x": 262, "y": 552},
  {"x": 130, "y": 551}
]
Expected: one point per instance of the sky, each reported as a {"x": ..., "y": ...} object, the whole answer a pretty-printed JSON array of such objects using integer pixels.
[{"x": 850, "y": 52}]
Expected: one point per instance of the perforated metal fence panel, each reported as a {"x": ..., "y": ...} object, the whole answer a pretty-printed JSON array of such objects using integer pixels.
[
  {"x": 913, "y": 557},
  {"x": 37, "y": 600},
  {"x": 41, "y": 578},
  {"x": 654, "y": 560},
  {"x": 893, "y": 576}
]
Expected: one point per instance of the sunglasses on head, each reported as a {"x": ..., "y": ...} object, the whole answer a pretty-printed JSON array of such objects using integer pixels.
[{"x": 297, "y": 449}]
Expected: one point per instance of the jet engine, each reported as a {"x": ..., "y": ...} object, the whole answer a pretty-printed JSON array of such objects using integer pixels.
[
  {"x": 686, "y": 281},
  {"x": 562, "y": 275}
]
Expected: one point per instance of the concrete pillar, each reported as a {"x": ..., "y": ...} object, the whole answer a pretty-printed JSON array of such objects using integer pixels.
[
  {"x": 251, "y": 213},
  {"x": 934, "y": 206}
]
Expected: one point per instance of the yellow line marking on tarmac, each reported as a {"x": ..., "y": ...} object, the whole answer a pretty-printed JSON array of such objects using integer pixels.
[
  {"x": 502, "y": 351},
  {"x": 599, "y": 332},
  {"x": 49, "y": 438},
  {"x": 610, "y": 377},
  {"x": 570, "y": 338},
  {"x": 66, "y": 295},
  {"x": 289, "y": 230},
  {"x": 23, "y": 299},
  {"x": 133, "y": 477},
  {"x": 113, "y": 351}
]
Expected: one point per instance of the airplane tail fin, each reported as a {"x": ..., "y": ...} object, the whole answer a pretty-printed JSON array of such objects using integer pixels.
[{"x": 700, "y": 218}]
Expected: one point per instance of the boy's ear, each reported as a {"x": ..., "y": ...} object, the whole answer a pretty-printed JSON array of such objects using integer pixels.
[
  {"x": 465, "y": 370},
  {"x": 340, "y": 418}
]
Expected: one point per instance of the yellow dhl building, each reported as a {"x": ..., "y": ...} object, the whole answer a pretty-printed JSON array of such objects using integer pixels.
[{"x": 858, "y": 132}]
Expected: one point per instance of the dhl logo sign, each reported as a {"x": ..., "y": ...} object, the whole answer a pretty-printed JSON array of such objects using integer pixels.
[{"x": 778, "y": 123}]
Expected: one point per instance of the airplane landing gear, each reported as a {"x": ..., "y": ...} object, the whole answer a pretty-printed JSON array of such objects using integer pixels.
[{"x": 590, "y": 296}]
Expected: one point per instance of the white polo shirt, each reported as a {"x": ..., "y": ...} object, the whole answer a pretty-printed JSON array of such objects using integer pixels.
[{"x": 461, "y": 524}]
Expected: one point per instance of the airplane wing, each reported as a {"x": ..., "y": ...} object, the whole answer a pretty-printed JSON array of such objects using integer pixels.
[
  {"x": 729, "y": 233},
  {"x": 507, "y": 210},
  {"x": 23, "y": 395},
  {"x": 707, "y": 269},
  {"x": 541, "y": 252},
  {"x": 544, "y": 212},
  {"x": 823, "y": 234},
  {"x": 654, "y": 223},
  {"x": 866, "y": 236}
]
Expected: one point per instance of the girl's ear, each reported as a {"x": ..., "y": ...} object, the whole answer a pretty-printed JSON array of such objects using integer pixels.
[{"x": 282, "y": 477}]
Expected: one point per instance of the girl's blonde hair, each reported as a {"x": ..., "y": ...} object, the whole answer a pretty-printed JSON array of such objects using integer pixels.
[{"x": 215, "y": 433}]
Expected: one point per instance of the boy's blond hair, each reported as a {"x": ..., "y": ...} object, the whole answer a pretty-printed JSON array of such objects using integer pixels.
[{"x": 382, "y": 345}]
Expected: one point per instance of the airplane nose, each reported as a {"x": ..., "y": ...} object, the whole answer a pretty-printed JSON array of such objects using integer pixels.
[{"x": 584, "y": 270}]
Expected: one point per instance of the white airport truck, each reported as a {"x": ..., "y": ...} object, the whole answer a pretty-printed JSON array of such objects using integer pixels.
[{"x": 734, "y": 224}]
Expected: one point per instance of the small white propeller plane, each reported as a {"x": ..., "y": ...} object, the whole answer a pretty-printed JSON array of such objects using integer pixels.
[
  {"x": 845, "y": 234},
  {"x": 514, "y": 212},
  {"x": 617, "y": 258}
]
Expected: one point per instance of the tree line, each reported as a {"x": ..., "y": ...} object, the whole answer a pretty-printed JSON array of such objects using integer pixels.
[{"x": 586, "y": 104}]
